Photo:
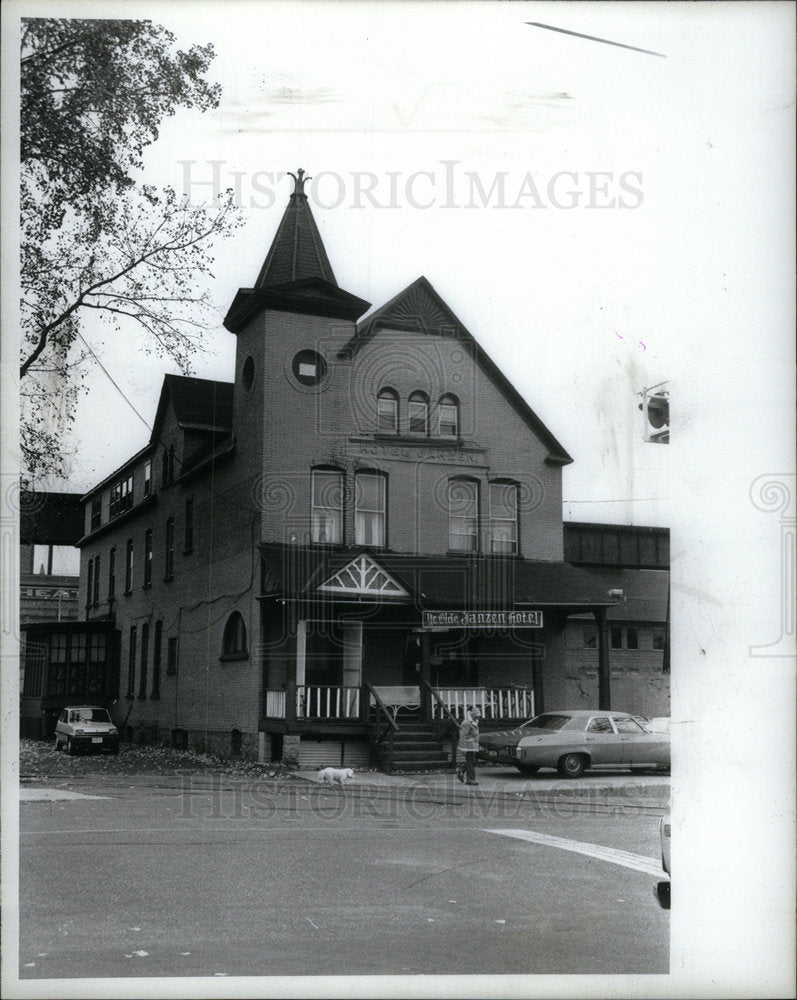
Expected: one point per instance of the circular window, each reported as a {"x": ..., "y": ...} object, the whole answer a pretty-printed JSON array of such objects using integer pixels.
[
  {"x": 248, "y": 374},
  {"x": 309, "y": 368}
]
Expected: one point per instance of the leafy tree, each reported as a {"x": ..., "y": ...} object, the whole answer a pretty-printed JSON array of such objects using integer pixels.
[{"x": 93, "y": 237}]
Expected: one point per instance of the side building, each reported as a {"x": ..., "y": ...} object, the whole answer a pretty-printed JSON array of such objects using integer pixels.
[{"x": 327, "y": 558}]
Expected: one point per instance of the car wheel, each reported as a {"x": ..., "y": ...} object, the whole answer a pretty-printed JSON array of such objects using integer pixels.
[
  {"x": 115, "y": 749},
  {"x": 57, "y": 744},
  {"x": 71, "y": 749},
  {"x": 572, "y": 765},
  {"x": 527, "y": 768}
]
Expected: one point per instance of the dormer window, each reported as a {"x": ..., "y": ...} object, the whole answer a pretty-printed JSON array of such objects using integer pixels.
[
  {"x": 121, "y": 496},
  {"x": 418, "y": 410},
  {"x": 387, "y": 411}
]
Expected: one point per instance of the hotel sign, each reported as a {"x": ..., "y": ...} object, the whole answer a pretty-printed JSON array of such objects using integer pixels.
[{"x": 482, "y": 619}]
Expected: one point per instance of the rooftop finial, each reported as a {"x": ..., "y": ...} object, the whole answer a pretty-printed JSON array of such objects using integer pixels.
[{"x": 300, "y": 180}]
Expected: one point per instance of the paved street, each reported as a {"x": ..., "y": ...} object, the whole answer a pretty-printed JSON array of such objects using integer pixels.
[{"x": 205, "y": 875}]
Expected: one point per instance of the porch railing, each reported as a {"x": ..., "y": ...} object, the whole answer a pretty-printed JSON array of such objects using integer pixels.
[
  {"x": 327, "y": 702},
  {"x": 336, "y": 702},
  {"x": 494, "y": 703}
]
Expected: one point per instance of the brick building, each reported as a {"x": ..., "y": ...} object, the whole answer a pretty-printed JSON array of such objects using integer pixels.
[{"x": 327, "y": 558}]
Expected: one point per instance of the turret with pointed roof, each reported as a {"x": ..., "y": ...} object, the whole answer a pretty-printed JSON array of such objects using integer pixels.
[
  {"x": 296, "y": 275},
  {"x": 297, "y": 251}
]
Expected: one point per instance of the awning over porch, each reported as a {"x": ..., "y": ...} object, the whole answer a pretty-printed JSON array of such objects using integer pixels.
[{"x": 308, "y": 573}]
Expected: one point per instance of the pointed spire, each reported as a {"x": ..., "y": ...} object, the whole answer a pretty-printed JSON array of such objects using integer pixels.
[{"x": 297, "y": 251}]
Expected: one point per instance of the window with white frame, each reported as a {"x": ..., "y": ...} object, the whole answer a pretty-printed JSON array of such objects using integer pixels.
[
  {"x": 121, "y": 496},
  {"x": 463, "y": 515},
  {"x": 418, "y": 413},
  {"x": 370, "y": 508},
  {"x": 503, "y": 518},
  {"x": 387, "y": 411},
  {"x": 448, "y": 416},
  {"x": 327, "y": 506}
]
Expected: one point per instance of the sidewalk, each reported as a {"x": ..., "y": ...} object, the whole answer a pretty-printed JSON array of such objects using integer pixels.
[{"x": 617, "y": 787}]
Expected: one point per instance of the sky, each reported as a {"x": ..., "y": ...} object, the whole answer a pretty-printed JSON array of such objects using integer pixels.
[{"x": 645, "y": 234}]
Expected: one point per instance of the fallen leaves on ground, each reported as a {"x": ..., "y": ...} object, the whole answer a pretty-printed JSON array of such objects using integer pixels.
[{"x": 40, "y": 759}]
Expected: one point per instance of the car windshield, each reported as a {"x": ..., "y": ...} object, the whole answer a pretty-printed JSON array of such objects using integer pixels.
[
  {"x": 546, "y": 722},
  {"x": 91, "y": 715}
]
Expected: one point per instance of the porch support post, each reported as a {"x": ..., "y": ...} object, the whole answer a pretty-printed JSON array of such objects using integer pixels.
[
  {"x": 426, "y": 697},
  {"x": 604, "y": 667}
]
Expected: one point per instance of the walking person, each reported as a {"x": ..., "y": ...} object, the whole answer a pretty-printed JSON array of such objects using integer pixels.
[{"x": 469, "y": 746}]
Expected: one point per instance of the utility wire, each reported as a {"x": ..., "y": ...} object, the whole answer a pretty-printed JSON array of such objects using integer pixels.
[{"x": 113, "y": 382}]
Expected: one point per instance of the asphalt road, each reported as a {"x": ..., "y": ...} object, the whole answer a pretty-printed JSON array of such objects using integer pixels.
[{"x": 200, "y": 876}]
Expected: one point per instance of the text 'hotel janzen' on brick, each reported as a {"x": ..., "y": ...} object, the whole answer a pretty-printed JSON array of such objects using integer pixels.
[{"x": 328, "y": 558}]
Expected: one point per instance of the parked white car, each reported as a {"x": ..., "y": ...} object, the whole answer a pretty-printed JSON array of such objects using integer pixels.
[{"x": 86, "y": 727}]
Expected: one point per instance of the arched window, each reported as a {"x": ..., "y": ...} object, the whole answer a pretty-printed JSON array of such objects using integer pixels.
[
  {"x": 387, "y": 411},
  {"x": 370, "y": 505},
  {"x": 448, "y": 416},
  {"x": 418, "y": 411},
  {"x": 463, "y": 515},
  {"x": 504, "y": 518},
  {"x": 234, "y": 642},
  {"x": 327, "y": 506}
]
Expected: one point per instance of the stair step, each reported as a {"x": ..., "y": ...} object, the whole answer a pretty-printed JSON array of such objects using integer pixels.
[
  {"x": 440, "y": 764},
  {"x": 435, "y": 752}
]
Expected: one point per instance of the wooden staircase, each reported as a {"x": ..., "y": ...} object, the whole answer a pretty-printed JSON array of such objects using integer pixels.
[{"x": 415, "y": 746}]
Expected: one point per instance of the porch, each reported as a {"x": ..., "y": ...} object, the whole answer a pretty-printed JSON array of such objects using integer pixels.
[
  {"x": 408, "y": 727},
  {"x": 301, "y": 704}
]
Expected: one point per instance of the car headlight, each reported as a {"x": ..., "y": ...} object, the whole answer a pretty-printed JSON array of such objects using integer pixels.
[
  {"x": 79, "y": 732},
  {"x": 518, "y": 751},
  {"x": 113, "y": 732}
]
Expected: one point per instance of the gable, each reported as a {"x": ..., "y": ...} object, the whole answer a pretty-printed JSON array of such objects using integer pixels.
[
  {"x": 419, "y": 308},
  {"x": 363, "y": 577}
]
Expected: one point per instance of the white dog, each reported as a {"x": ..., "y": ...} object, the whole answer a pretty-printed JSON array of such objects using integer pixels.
[{"x": 335, "y": 774}]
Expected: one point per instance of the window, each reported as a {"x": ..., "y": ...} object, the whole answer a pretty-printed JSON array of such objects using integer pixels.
[
  {"x": 503, "y": 518},
  {"x": 449, "y": 416},
  {"x": 148, "y": 558},
  {"x": 658, "y": 638},
  {"x": 142, "y": 680},
  {"x": 171, "y": 655},
  {"x": 463, "y": 515},
  {"x": 188, "y": 542},
  {"x": 369, "y": 508},
  {"x": 122, "y": 496},
  {"x": 248, "y": 374},
  {"x": 327, "y": 506},
  {"x": 112, "y": 574},
  {"x": 601, "y": 725},
  {"x": 147, "y": 477},
  {"x": 95, "y": 595},
  {"x": 131, "y": 663},
  {"x": 129, "y": 566},
  {"x": 169, "y": 548},
  {"x": 309, "y": 368},
  {"x": 96, "y": 512},
  {"x": 623, "y": 637},
  {"x": 234, "y": 641},
  {"x": 628, "y": 725},
  {"x": 419, "y": 413},
  {"x": 387, "y": 411},
  {"x": 165, "y": 475},
  {"x": 156, "y": 660},
  {"x": 90, "y": 584}
]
